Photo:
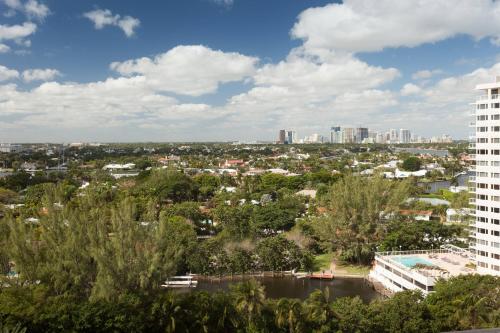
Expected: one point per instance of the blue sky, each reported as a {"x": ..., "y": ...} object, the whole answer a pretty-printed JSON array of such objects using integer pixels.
[{"x": 209, "y": 70}]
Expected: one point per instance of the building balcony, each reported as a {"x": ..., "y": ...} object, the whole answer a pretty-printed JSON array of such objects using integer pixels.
[
  {"x": 472, "y": 145},
  {"x": 485, "y": 97},
  {"x": 472, "y": 156},
  {"x": 472, "y": 124},
  {"x": 472, "y": 179},
  {"x": 472, "y": 201}
]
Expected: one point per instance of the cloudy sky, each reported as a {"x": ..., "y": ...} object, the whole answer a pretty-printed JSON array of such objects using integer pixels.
[{"x": 207, "y": 70}]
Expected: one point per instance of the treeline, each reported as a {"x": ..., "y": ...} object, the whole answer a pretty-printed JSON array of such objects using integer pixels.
[
  {"x": 463, "y": 302},
  {"x": 363, "y": 216},
  {"x": 280, "y": 232},
  {"x": 99, "y": 245}
]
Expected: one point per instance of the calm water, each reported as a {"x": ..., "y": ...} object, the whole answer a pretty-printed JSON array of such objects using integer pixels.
[
  {"x": 291, "y": 287},
  {"x": 435, "y": 152},
  {"x": 433, "y": 187}
]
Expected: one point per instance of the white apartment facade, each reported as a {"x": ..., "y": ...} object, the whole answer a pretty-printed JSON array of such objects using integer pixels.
[
  {"x": 485, "y": 184},
  {"x": 404, "y": 136}
]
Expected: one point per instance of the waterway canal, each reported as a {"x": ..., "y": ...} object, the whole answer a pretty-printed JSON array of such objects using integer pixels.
[{"x": 290, "y": 287}]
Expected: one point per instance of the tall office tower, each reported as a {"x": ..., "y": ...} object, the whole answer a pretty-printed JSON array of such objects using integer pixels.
[
  {"x": 282, "y": 137},
  {"x": 404, "y": 136},
  {"x": 336, "y": 134},
  {"x": 291, "y": 137},
  {"x": 485, "y": 185},
  {"x": 380, "y": 138},
  {"x": 348, "y": 135},
  {"x": 315, "y": 138},
  {"x": 393, "y": 135},
  {"x": 361, "y": 134}
]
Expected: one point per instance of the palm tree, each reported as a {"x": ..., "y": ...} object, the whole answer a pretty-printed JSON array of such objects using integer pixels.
[
  {"x": 14, "y": 329},
  {"x": 249, "y": 298},
  {"x": 318, "y": 310},
  {"x": 289, "y": 314},
  {"x": 474, "y": 310}
]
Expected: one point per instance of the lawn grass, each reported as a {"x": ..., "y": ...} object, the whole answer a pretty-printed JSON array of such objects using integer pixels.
[
  {"x": 353, "y": 269},
  {"x": 323, "y": 261}
]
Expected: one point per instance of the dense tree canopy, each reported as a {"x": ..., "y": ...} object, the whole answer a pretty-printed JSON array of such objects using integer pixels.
[
  {"x": 359, "y": 211},
  {"x": 412, "y": 163}
]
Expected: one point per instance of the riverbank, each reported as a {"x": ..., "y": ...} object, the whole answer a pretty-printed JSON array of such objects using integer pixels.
[{"x": 330, "y": 263}]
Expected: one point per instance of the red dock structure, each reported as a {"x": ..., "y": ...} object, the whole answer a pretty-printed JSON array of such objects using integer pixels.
[{"x": 321, "y": 276}]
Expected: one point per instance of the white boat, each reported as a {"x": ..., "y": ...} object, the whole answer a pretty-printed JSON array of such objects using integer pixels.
[{"x": 185, "y": 281}]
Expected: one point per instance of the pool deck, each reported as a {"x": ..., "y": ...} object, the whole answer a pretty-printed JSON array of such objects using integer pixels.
[{"x": 453, "y": 263}]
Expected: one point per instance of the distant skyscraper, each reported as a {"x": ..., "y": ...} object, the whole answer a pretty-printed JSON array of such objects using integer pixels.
[
  {"x": 393, "y": 135},
  {"x": 282, "y": 136},
  {"x": 348, "y": 135},
  {"x": 381, "y": 138},
  {"x": 336, "y": 134},
  {"x": 361, "y": 134},
  {"x": 291, "y": 137},
  {"x": 404, "y": 136}
]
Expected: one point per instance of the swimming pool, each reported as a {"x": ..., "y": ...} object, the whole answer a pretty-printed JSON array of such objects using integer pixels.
[{"x": 412, "y": 261}]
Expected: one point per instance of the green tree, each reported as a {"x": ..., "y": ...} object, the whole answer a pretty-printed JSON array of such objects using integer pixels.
[
  {"x": 319, "y": 312},
  {"x": 466, "y": 302},
  {"x": 271, "y": 218},
  {"x": 412, "y": 163},
  {"x": 278, "y": 254},
  {"x": 358, "y": 213},
  {"x": 234, "y": 220},
  {"x": 414, "y": 235},
  {"x": 249, "y": 299},
  {"x": 170, "y": 185},
  {"x": 208, "y": 185},
  {"x": 289, "y": 315},
  {"x": 7, "y": 196},
  {"x": 406, "y": 312}
]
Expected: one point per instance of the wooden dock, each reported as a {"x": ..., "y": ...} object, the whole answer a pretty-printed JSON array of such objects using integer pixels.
[{"x": 321, "y": 276}]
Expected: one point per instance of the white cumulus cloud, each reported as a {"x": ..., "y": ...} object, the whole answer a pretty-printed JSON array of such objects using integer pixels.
[
  {"x": 365, "y": 25},
  {"x": 4, "y": 48},
  {"x": 189, "y": 70},
  {"x": 410, "y": 89},
  {"x": 31, "y": 8},
  {"x": 47, "y": 74},
  {"x": 7, "y": 73},
  {"x": 226, "y": 3},
  {"x": 426, "y": 74},
  {"x": 104, "y": 17},
  {"x": 17, "y": 32},
  {"x": 36, "y": 10}
]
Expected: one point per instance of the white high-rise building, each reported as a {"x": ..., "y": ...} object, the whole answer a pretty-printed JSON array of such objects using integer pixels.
[
  {"x": 393, "y": 135},
  {"x": 336, "y": 134},
  {"x": 485, "y": 185},
  {"x": 381, "y": 138},
  {"x": 404, "y": 136},
  {"x": 291, "y": 137},
  {"x": 348, "y": 135}
]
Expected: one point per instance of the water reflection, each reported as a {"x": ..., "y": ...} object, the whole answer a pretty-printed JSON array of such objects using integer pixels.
[{"x": 290, "y": 287}]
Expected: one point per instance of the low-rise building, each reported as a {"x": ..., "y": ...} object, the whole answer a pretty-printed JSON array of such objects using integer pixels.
[{"x": 420, "y": 269}]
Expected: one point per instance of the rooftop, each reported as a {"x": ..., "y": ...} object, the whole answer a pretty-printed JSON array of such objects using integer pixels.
[{"x": 432, "y": 263}]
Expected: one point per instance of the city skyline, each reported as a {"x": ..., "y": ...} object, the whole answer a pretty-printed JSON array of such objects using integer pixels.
[
  {"x": 360, "y": 134},
  {"x": 119, "y": 71}
]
